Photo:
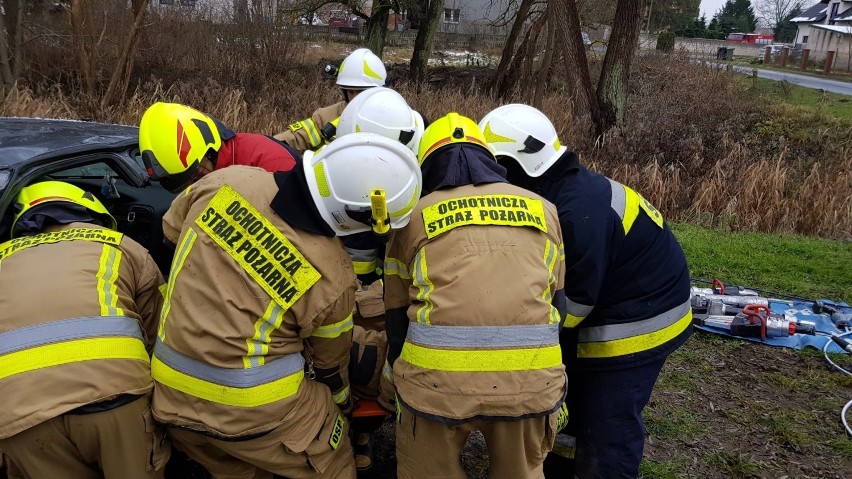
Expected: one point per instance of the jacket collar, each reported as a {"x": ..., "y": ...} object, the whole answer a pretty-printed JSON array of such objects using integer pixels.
[{"x": 294, "y": 202}]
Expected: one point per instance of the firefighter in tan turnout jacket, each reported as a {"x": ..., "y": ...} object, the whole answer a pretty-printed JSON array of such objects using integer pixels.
[
  {"x": 474, "y": 299},
  {"x": 78, "y": 316},
  {"x": 360, "y": 70},
  {"x": 251, "y": 359}
]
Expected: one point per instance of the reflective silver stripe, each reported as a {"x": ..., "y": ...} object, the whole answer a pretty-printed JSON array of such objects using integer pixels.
[
  {"x": 579, "y": 310},
  {"x": 67, "y": 329},
  {"x": 394, "y": 266},
  {"x": 484, "y": 336},
  {"x": 237, "y": 378},
  {"x": 618, "y": 202},
  {"x": 612, "y": 332},
  {"x": 363, "y": 254}
]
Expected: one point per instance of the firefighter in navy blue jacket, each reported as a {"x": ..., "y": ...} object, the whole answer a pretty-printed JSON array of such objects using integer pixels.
[{"x": 628, "y": 293}]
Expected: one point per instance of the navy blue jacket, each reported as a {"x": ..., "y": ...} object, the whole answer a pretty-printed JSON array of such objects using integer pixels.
[{"x": 626, "y": 280}]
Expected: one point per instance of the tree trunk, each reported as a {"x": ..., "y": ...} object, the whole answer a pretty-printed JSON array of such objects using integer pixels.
[
  {"x": 377, "y": 27},
  {"x": 509, "y": 47},
  {"x": 543, "y": 73},
  {"x": 5, "y": 56},
  {"x": 615, "y": 72},
  {"x": 84, "y": 63},
  {"x": 569, "y": 38},
  {"x": 124, "y": 65},
  {"x": 423, "y": 42},
  {"x": 19, "y": 41}
]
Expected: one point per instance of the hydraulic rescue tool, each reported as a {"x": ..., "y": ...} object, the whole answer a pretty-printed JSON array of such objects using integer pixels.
[{"x": 743, "y": 313}]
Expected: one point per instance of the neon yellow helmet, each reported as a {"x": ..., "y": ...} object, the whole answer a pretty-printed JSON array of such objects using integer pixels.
[
  {"x": 451, "y": 129},
  {"x": 38, "y": 194},
  {"x": 174, "y": 139}
]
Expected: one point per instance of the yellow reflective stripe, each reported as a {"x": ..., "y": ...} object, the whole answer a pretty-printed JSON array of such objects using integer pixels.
[
  {"x": 561, "y": 251},
  {"x": 334, "y": 330},
  {"x": 631, "y": 209},
  {"x": 314, "y": 137},
  {"x": 258, "y": 344},
  {"x": 551, "y": 253},
  {"x": 572, "y": 321},
  {"x": 365, "y": 267},
  {"x": 342, "y": 396},
  {"x": 74, "y": 234},
  {"x": 424, "y": 287},
  {"x": 554, "y": 316},
  {"x": 177, "y": 264},
  {"x": 482, "y": 360},
  {"x": 395, "y": 267},
  {"x": 634, "y": 344},
  {"x": 229, "y": 396},
  {"x": 75, "y": 351},
  {"x": 109, "y": 263}
]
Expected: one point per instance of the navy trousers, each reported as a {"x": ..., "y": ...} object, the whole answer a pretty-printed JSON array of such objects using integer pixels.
[{"x": 605, "y": 417}]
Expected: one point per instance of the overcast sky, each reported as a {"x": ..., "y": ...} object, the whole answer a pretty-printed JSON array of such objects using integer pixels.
[{"x": 710, "y": 7}]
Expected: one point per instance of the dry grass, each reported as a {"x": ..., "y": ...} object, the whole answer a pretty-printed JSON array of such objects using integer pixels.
[{"x": 695, "y": 142}]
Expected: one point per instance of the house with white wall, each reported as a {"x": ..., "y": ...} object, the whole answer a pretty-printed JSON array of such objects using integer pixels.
[{"x": 824, "y": 27}]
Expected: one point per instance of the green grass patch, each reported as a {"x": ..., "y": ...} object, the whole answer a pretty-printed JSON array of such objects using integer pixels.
[
  {"x": 834, "y": 104},
  {"x": 733, "y": 464},
  {"x": 842, "y": 446},
  {"x": 674, "y": 424},
  {"x": 670, "y": 469},
  {"x": 787, "y": 264}
]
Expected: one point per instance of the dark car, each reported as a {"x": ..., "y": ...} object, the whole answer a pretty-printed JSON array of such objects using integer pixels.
[{"x": 101, "y": 158}]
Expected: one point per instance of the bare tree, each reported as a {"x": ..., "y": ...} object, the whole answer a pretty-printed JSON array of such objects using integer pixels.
[
  {"x": 5, "y": 54},
  {"x": 423, "y": 40},
  {"x": 120, "y": 79},
  {"x": 81, "y": 51},
  {"x": 773, "y": 12},
  {"x": 615, "y": 72},
  {"x": 377, "y": 26},
  {"x": 570, "y": 41}
]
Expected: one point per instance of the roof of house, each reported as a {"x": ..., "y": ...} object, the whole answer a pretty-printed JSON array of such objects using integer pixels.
[
  {"x": 842, "y": 29},
  {"x": 815, "y": 13},
  {"x": 845, "y": 16}
]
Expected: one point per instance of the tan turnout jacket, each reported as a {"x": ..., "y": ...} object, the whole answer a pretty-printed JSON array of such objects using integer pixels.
[
  {"x": 477, "y": 278},
  {"x": 248, "y": 293},
  {"x": 305, "y": 135},
  {"x": 78, "y": 316}
]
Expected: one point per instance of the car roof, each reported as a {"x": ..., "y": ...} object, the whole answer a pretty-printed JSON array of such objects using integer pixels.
[{"x": 23, "y": 139}]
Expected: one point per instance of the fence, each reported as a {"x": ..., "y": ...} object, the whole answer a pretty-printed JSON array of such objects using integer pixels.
[{"x": 469, "y": 41}]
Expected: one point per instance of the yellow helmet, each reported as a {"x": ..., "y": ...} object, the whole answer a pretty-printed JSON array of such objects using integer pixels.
[
  {"x": 38, "y": 194},
  {"x": 450, "y": 129},
  {"x": 174, "y": 139}
]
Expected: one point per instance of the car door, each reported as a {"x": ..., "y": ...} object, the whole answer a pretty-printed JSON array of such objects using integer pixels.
[{"x": 113, "y": 177}]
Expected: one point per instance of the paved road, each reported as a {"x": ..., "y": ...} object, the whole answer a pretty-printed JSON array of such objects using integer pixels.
[{"x": 807, "y": 81}]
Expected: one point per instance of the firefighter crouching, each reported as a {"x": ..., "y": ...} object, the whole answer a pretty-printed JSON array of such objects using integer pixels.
[
  {"x": 250, "y": 364},
  {"x": 473, "y": 290},
  {"x": 78, "y": 318},
  {"x": 360, "y": 70}
]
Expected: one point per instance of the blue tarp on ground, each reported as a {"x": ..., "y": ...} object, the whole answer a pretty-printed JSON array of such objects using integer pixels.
[{"x": 803, "y": 311}]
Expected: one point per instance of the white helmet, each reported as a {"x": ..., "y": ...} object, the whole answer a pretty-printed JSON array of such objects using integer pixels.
[
  {"x": 525, "y": 134},
  {"x": 382, "y": 111},
  {"x": 343, "y": 174},
  {"x": 361, "y": 69}
]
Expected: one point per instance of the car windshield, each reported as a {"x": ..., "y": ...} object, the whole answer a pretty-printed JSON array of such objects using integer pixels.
[{"x": 94, "y": 170}]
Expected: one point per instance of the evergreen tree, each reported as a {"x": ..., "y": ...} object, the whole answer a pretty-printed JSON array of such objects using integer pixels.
[
  {"x": 785, "y": 30},
  {"x": 735, "y": 16}
]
